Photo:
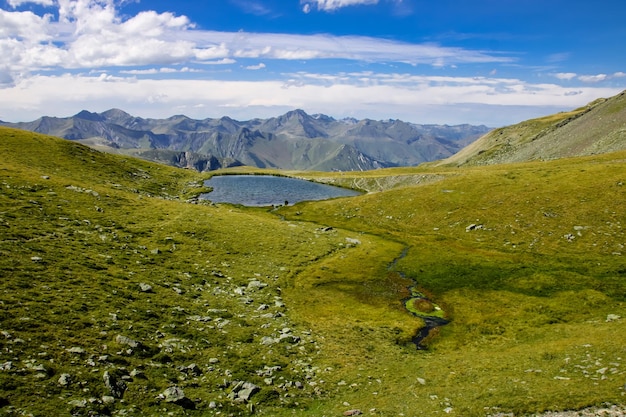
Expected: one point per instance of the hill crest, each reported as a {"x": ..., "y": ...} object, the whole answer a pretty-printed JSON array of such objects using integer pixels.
[{"x": 598, "y": 127}]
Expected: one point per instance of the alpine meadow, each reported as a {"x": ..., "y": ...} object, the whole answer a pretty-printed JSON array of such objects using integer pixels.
[{"x": 124, "y": 294}]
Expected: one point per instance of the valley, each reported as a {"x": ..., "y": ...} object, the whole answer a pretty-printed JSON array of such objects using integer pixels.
[{"x": 123, "y": 294}]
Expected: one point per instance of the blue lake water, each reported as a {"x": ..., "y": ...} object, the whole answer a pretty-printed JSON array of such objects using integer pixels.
[{"x": 268, "y": 190}]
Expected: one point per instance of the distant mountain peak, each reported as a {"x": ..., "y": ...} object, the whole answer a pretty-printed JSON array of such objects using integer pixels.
[
  {"x": 87, "y": 115},
  {"x": 294, "y": 140}
]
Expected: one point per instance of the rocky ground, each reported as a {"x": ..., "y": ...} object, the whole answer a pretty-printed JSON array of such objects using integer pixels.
[{"x": 605, "y": 411}]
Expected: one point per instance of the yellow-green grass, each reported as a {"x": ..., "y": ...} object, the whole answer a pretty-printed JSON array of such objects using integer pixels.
[{"x": 528, "y": 290}]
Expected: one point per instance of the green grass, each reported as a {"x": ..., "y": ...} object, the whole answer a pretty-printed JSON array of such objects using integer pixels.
[{"x": 528, "y": 292}]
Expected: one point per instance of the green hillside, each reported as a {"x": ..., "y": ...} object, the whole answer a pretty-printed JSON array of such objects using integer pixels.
[
  {"x": 120, "y": 295},
  {"x": 598, "y": 127}
]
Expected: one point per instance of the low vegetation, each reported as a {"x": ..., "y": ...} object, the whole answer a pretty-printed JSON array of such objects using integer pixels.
[{"x": 122, "y": 294}]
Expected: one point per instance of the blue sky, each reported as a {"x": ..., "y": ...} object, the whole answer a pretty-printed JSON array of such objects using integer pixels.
[{"x": 492, "y": 62}]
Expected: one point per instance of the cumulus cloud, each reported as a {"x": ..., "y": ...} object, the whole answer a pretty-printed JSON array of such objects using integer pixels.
[
  {"x": 256, "y": 67},
  {"x": 565, "y": 75},
  {"x": 17, "y": 3},
  {"x": 593, "y": 78},
  {"x": 332, "y": 5},
  {"x": 92, "y": 34}
]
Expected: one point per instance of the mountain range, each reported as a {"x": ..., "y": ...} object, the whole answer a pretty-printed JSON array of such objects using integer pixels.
[{"x": 295, "y": 140}]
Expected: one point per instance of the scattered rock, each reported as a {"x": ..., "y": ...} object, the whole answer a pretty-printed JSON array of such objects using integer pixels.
[
  {"x": 242, "y": 391},
  {"x": 65, "y": 380},
  {"x": 116, "y": 386},
  {"x": 354, "y": 412},
  {"x": 612, "y": 317},
  {"x": 176, "y": 395},
  {"x": 123, "y": 340},
  {"x": 78, "y": 403},
  {"x": 107, "y": 399},
  {"x": 145, "y": 287},
  {"x": 173, "y": 394}
]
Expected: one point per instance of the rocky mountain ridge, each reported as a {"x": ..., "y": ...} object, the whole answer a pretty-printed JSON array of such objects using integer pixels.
[{"x": 295, "y": 140}]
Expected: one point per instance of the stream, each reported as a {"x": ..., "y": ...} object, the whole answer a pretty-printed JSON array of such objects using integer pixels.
[{"x": 421, "y": 306}]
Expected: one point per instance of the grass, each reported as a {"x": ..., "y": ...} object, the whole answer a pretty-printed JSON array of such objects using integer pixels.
[{"x": 307, "y": 302}]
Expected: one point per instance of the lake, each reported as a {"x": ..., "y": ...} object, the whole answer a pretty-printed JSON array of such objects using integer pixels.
[{"x": 269, "y": 190}]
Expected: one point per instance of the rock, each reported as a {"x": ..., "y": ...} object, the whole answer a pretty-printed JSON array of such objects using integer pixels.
[
  {"x": 173, "y": 394},
  {"x": 247, "y": 393},
  {"x": 256, "y": 285},
  {"x": 65, "y": 380},
  {"x": 194, "y": 369},
  {"x": 145, "y": 287},
  {"x": 76, "y": 349},
  {"x": 612, "y": 317},
  {"x": 78, "y": 403},
  {"x": 266, "y": 340},
  {"x": 474, "y": 227},
  {"x": 135, "y": 373},
  {"x": 354, "y": 412},
  {"x": 243, "y": 391},
  {"x": 107, "y": 399},
  {"x": 353, "y": 241},
  {"x": 116, "y": 386},
  {"x": 123, "y": 340}
]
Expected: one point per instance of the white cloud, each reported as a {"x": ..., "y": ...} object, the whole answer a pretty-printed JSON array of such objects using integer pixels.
[
  {"x": 420, "y": 99},
  {"x": 565, "y": 75},
  {"x": 17, "y": 3},
  {"x": 91, "y": 34},
  {"x": 256, "y": 67},
  {"x": 593, "y": 78},
  {"x": 332, "y": 5}
]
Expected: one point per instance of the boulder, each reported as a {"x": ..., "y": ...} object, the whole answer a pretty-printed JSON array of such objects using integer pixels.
[{"x": 173, "y": 394}]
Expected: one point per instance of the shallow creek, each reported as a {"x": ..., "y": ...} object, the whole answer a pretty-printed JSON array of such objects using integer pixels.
[{"x": 421, "y": 306}]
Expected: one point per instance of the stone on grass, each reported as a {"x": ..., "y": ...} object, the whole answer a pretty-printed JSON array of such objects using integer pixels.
[
  {"x": 65, "y": 380},
  {"x": 116, "y": 386},
  {"x": 123, "y": 340},
  {"x": 173, "y": 394},
  {"x": 612, "y": 317}
]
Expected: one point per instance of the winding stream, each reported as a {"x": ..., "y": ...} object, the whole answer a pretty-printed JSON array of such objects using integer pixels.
[{"x": 421, "y": 306}]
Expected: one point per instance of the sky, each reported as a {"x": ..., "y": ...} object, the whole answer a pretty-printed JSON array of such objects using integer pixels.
[{"x": 491, "y": 62}]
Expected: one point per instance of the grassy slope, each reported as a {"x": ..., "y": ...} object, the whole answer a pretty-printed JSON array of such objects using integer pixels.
[
  {"x": 598, "y": 127},
  {"x": 529, "y": 306},
  {"x": 529, "y": 293}
]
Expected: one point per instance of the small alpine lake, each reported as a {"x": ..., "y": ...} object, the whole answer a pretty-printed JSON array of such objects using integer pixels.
[{"x": 269, "y": 190}]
